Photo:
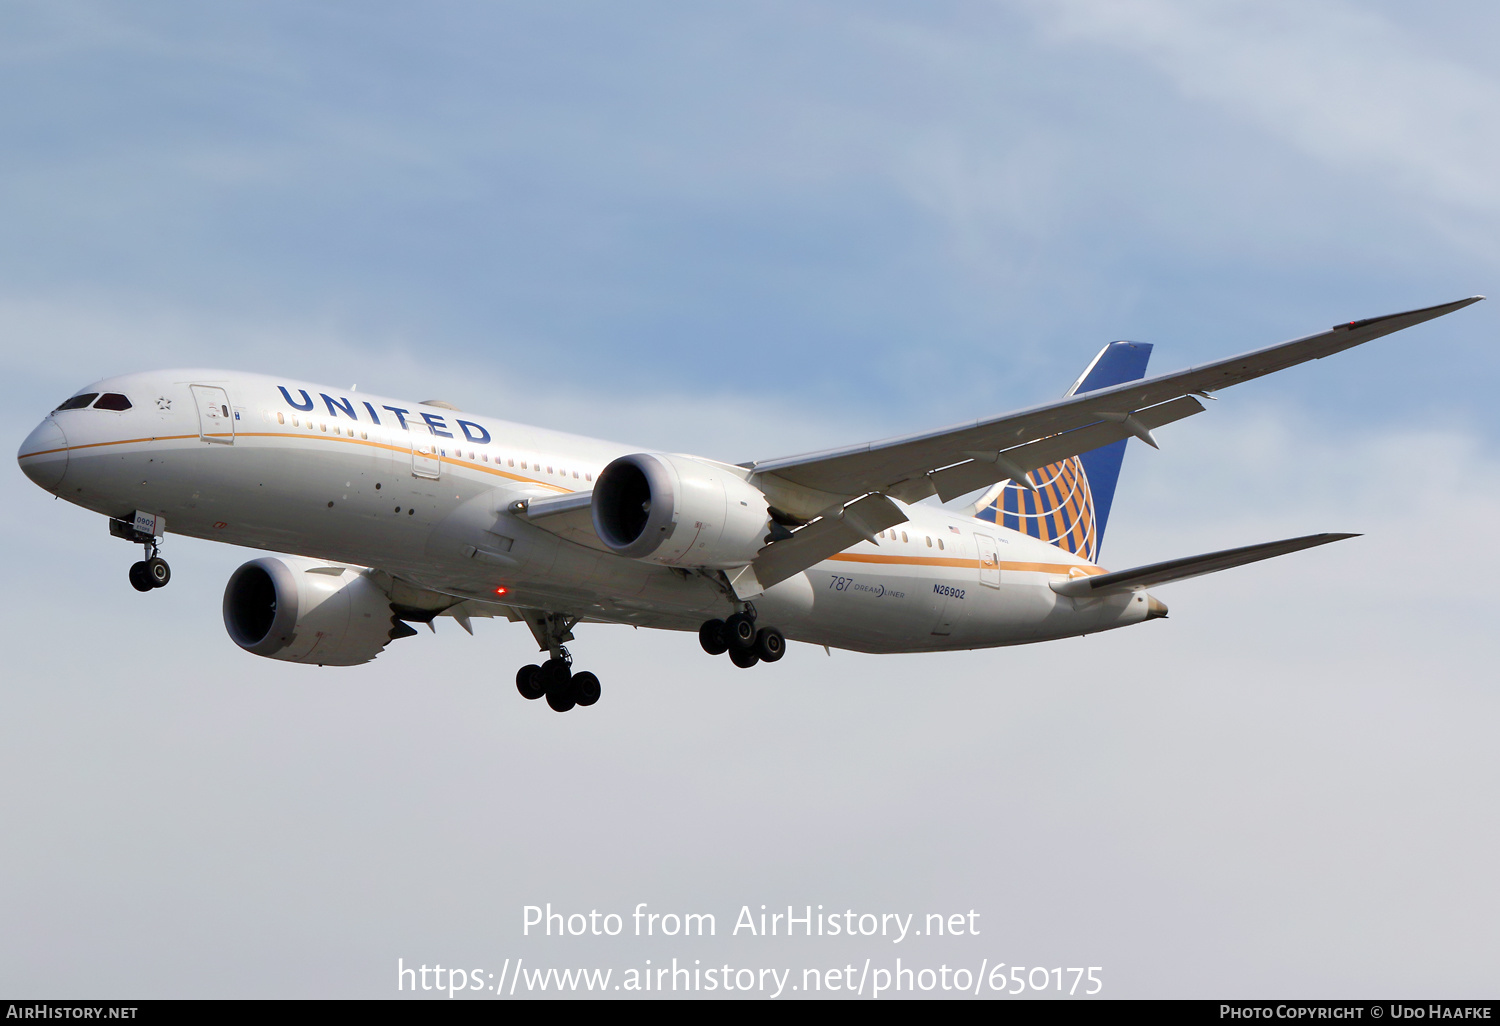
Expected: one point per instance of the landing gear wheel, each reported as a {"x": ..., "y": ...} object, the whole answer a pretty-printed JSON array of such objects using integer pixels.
[
  {"x": 739, "y": 631},
  {"x": 529, "y": 682},
  {"x": 554, "y": 670},
  {"x": 585, "y": 688},
  {"x": 770, "y": 645},
  {"x": 557, "y": 678},
  {"x": 744, "y": 658},
  {"x": 560, "y": 695},
  {"x": 713, "y": 637},
  {"x": 138, "y": 579},
  {"x": 157, "y": 572}
]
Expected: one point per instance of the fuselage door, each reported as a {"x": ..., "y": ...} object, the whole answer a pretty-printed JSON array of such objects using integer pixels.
[
  {"x": 215, "y": 419},
  {"x": 989, "y": 560},
  {"x": 425, "y": 460}
]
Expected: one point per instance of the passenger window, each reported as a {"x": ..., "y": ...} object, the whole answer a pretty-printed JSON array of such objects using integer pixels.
[
  {"x": 115, "y": 401},
  {"x": 364, "y": 434},
  {"x": 512, "y": 462},
  {"x": 903, "y": 536},
  {"x": 929, "y": 541},
  {"x": 587, "y": 476},
  {"x": 295, "y": 421},
  {"x": 78, "y": 402},
  {"x": 281, "y": 418},
  {"x": 575, "y": 475},
  {"x": 549, "y": 470},
  {"x": 940, "y": 543},
  {"x": 324, "y": 426}
]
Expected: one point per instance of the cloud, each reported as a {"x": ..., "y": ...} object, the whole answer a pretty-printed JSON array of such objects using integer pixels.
[{"x": 1342, "y": 83}]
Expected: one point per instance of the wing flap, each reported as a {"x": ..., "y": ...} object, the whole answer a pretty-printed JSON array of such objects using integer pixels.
[
  {"x": 1187, "y": 566},
  {"x": 859, "y": 521},
  {"x": 987, "y": 468}
]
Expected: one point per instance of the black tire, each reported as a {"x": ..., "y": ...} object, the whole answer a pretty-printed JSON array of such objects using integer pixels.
[
  {"x": 586, "y": 688},
  {"x": 138, "y": 579},
  {"x": 529, "y": 682},
  {"x": 560, "y": 694},
  {"x": 157, "y": 572},
  {"x": 557, "y": 678},
  {"x": 555, "y": 670},
  {"x": 744, "y": 658},
  {"x": 739, "y": 631},
  {"x": 770, "y": 645},
  {"x": 713, "y": 637}
]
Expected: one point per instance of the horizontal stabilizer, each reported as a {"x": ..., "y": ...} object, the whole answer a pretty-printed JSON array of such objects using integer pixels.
[{"x": 1188, "y": 566}]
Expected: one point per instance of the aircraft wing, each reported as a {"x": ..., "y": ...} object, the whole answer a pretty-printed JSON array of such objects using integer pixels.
[
  {"x": 961, "y": 458},
  {"x": 1188, "y": 566}
]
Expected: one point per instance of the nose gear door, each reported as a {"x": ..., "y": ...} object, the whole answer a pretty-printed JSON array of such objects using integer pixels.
[{"x": 215, "y": 421}]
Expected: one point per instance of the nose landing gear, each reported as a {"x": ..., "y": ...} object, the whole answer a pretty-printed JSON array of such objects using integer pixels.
[{"x": 153, "y": 571}]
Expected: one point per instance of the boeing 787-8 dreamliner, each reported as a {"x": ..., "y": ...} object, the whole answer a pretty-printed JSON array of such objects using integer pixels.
[{"x": 401, "y": 511}]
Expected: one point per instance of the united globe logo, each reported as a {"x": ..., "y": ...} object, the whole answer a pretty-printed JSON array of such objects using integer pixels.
[{"x": 1060, "y": 510}]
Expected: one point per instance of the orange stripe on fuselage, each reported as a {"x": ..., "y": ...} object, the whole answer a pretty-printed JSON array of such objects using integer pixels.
[
  {"x": 974, "y": 564},
  {"x": 94, "y": 445},
  {"x": 494, "y": 471}
]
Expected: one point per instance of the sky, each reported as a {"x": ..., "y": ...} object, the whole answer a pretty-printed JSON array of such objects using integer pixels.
[{"x": 745, "y": 231}]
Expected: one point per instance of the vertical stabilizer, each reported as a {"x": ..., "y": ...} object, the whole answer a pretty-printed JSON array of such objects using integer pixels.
[{"x": 1070, "y": 506}]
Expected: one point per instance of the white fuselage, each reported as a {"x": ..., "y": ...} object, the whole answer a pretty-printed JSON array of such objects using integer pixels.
[{"x": 424, "y": 492}]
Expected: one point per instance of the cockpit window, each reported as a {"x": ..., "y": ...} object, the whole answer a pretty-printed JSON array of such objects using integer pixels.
[
  {"x": 112, "y": 401},
  {"x": 78, "y": 402}
]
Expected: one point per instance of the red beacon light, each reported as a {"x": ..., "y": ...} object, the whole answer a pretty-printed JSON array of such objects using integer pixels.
[{"x": 502, "y": 590}]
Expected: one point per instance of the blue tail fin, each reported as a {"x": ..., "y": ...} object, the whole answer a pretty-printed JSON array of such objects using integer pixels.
[{"x": 1070, "y": 507}]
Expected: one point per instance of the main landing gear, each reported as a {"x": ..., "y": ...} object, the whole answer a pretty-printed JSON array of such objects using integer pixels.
[
  {"x": 739, "y": 637},
  {"x": 555, "y": 679}
]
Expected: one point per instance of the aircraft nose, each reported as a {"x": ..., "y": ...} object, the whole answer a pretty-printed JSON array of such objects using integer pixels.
[{"x": 44, "y": 455}]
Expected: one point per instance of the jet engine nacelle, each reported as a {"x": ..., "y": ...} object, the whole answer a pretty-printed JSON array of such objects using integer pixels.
[
  {"x": 679, "y": 511},
  {"x": 305, "y": 611}
]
